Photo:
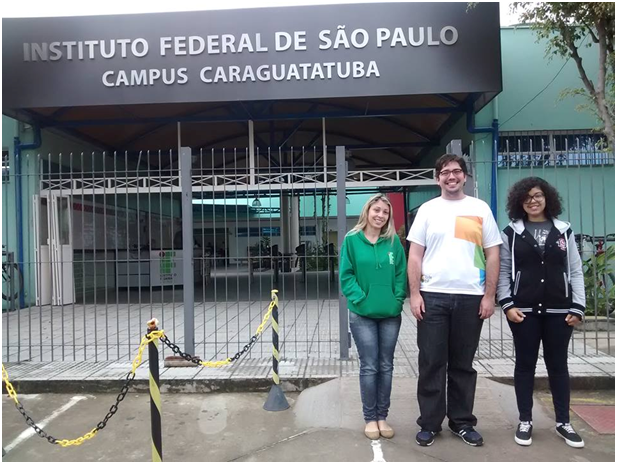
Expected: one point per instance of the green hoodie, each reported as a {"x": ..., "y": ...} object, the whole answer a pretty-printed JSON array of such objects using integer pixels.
[{"x": 373, "y": 276}]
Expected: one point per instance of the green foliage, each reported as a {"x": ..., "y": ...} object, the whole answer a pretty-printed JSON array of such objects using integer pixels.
[
  {"x": 317, "y": 258},
  {"x": 561, "y": 23},
  {"x": 568, "y": 26},
  {"x": 262, "y": 248},
  {"x": 599, "y": 274}
]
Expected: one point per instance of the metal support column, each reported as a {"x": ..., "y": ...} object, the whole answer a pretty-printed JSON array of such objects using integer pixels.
[
  {"x": 187, "y": 250},
  {"x": 341, "y": 225},
  {"x": 294, "y": 223},
  {"x": 285, "y": 223},
  {"x": 251, "y": 153},
  {"x": 324, "y": 147}
]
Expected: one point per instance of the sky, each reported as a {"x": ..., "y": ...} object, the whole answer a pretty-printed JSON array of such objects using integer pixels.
[{"x": 46, "y": 8}]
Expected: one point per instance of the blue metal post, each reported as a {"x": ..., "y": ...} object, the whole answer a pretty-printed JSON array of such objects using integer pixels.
[
  {"x": 36, "y": 143},
  {"x": 494, "y": 131}
]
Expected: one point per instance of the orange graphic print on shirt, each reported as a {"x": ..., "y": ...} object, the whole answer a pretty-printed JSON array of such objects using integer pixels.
[{"x": 469, "y": 228}]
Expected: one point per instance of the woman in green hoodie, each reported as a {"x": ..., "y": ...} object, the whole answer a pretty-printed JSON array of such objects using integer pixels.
[{"x": 373, "y": 279}]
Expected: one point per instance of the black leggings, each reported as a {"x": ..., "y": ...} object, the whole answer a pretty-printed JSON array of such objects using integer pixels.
[{"x": 555, "y": 335}]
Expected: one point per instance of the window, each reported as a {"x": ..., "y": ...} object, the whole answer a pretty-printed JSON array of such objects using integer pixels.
[
  {"x": 258, "y": 231},
  {"x": 553, "y": 148},
  {"x": 308, "y": 231}
]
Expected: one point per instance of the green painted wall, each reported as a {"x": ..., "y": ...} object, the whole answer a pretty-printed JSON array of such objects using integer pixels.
[
  {"x": 355, "y": 202},
  {"x": 29, "y": 181},
  {"x": 477, "y": 146},
  {"x": 420, "y": 195},
  {"x": 9, "y": 130},
  {"x": 588, "y": 194},
  {"x": 531, "y": 101},
  {"x": 527, "y": 72},
  {"x": 9, "y": 212},
  {"x": 54, "y": 150},
  {"x": 530, "y": 79}
]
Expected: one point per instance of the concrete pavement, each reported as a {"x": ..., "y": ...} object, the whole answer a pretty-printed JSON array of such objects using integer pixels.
[{"x": 324, "y": 423}]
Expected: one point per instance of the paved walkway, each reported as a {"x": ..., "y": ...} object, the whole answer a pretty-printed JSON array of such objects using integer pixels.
[
  {"x": 310, "y": 351},
  {"x": 324, "y": 423}
]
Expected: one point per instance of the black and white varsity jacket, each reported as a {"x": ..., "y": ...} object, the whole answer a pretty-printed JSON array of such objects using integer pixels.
[{"x": 542, "y": 283}]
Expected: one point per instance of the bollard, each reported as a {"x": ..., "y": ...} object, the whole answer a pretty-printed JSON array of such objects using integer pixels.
[
  {"x": 155, "y": 395},
  {"x": 276, "y": 398}
]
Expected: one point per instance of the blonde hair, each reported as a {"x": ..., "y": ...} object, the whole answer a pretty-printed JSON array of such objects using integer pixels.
[{"x": 388, "y": 230}]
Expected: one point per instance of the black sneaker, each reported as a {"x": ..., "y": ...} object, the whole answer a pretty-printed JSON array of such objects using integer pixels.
[
  {"x": 425, "y": 437},
  {"x": 469, "y": 436},
  {"x": 523, "y": 433},
  {"x": 572, "y": 438}
]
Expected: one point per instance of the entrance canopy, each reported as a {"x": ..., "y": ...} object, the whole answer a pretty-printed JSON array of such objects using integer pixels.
[{"x": 385, "y": 80}]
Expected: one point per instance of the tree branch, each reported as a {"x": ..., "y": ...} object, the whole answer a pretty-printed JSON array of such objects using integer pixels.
[
  {"x": 600, "y": 97},
  {"x": 593, "y": 36},
  {"x": 601, "y": 28},
  {"x": 578, "y": 60}
]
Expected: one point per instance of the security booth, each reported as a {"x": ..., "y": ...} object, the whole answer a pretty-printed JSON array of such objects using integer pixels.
[{"x": 184, "y": 164}]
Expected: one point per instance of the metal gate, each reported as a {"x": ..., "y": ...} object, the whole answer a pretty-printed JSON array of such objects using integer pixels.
[
  {"x": 112, "y": 233},
  {"x": 198, "y": 239}
]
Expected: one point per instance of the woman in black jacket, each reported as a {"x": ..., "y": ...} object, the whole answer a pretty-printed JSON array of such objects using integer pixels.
[{"x": 541, "y": 290}]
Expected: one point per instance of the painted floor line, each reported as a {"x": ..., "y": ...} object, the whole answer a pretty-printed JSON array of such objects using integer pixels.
[
  {"x": 377, "y": 451},
  {"x": 29, "y": 432}
]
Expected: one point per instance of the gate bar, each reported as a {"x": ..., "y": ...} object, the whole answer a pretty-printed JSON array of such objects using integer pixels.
[
  {"x": 187, "y": 250},
  {"x": 341, "y": 225}
]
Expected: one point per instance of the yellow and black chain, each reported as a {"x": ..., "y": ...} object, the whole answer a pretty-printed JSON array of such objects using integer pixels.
[
  {"x": 148, "y": 338},
  {"x": 54, "y": 441},
  {"x": 196, "y": 360},
  {"x": 112, "y": 410}
]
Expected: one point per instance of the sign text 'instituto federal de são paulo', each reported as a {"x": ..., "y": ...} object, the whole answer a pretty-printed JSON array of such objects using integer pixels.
[{"x": 260, "y": 54}]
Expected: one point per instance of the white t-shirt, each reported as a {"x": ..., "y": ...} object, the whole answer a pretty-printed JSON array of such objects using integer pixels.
[{"x": 454, "y": 234}]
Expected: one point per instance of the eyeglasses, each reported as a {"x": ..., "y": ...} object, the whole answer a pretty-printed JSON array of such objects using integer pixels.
[
  {"x": 537, "y": 197},
  {"x": 446, "y": 172}
]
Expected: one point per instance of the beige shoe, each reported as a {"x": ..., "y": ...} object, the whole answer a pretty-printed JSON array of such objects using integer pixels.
[
  {"x": 385, "y": 430},
  {"x": 372, "y": 431}
]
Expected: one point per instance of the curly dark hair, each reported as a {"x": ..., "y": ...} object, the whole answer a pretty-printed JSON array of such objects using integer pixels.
[{"x": 518, "y": 194}]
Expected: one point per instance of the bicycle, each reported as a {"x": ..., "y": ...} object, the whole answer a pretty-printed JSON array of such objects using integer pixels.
[{"x": 10, "y": 269}]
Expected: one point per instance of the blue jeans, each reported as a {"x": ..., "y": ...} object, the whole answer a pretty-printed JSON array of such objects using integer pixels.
[
  {"x": 448, "y": 337},
  {"x": 376, "y": 341}
]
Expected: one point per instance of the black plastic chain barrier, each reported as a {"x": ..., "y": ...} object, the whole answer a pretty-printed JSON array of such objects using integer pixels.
[
  {"x": 151, "y": 336},
  {"x": 123, "y": 391},
  {"x": 196, "y": 360},
  {"x": 100, "y": 426},
  {"x": 41, "y": 433}
]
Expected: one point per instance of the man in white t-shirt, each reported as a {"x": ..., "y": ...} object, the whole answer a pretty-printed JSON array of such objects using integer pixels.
[{"x": 453, "y": 269}]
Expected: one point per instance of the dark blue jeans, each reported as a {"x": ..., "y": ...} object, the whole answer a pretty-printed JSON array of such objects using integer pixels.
[
  {"x": 555, "y": 335},
  {"x": 448, "y": 337},
  {"x": 376, "y": 341}
]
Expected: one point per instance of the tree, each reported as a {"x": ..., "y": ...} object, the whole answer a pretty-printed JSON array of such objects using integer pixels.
[{"x": 565, "y": 26}]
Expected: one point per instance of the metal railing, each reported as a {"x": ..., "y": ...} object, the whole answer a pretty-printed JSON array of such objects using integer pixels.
[{"x": 105, "y": 252}]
